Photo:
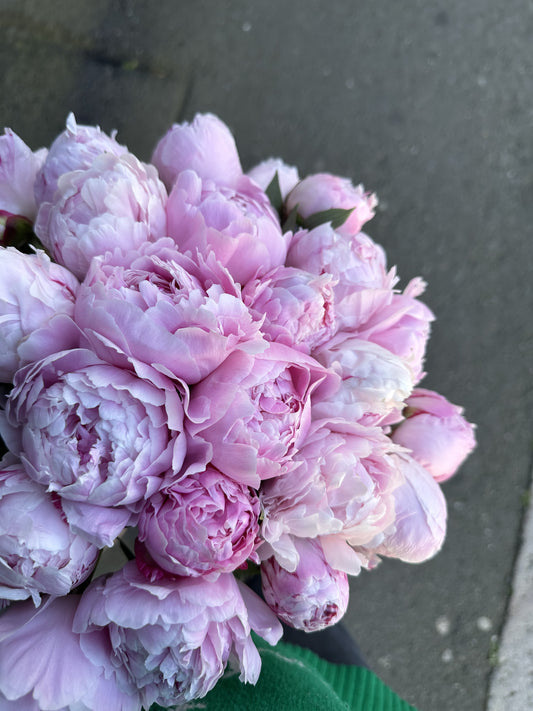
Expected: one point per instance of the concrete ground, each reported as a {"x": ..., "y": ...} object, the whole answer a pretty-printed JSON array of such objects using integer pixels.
[{"x": 429, "y": 104}]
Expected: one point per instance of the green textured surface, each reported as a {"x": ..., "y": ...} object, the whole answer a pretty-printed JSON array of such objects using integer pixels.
[{"x": 295, "y": 679}]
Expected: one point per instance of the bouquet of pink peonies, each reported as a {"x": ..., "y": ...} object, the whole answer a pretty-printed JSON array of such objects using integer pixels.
[{"x": 215, "y": 372}]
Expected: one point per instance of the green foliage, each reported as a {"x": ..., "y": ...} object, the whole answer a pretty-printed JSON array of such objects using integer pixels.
[
  {"x": 251, "y": 570},
  {"x": 18, "y": 233},
  {"x": 337, "y": 216},
  {"x": 273, "y": 193},
  {"x": 293, "y": 221}
]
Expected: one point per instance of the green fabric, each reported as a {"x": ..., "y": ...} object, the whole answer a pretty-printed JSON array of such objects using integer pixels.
[{"x": 295, "y": 679}]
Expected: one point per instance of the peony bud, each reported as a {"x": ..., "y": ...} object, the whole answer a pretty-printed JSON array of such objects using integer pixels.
[
  {"x": 205, "y": 146},
  {"x": 18, "y": 170},
  {"x": 311, "y": 598},
  {"x": 264, "y": 172},
  {"x": 436, "y": 432},
  {"x": 323, "y": 191},
  {"x": 419, "y": 528},
  {"x": 74, "y": 149}
]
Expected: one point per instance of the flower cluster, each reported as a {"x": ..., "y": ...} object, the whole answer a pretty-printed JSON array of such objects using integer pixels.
[{"x": 219, "y": 367}]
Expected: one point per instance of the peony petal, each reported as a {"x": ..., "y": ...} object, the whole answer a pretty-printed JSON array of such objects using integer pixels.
[{"x": 262, "y": 620}]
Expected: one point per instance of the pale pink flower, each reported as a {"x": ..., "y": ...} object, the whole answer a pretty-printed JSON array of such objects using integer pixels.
[
  {"x": 323, "y": 191},
  {"x": 39, "y": 554},
  {"x": 436, "y": 433},
  {"x": 116, "y": 202},
  {"x": 205, "y": 146},
  {"x": 97, "y": 435},
  {"x": 419, "y": 528},
  {"x": 205, "y": 523},
  {"x": 374, "y": 381},
  {"x": 18, "y": 169},
  {"x": 149, "y": 307},
  {"x": 36, "y": 306},
  {"x": 174, "y": 637},
  {"x": 402, "y": 326},
  {"x": 342, "y": 486},
  {"x": 295, "y": 307},
  {"x": 253, "y": 412},
  {"x": 74, "y": 149},
  {"x": 237, "y": 223},
  {"x": 358, "y": 265},
  {"x": 43, "y": 667},
  {"x": 312, "y": 597},
  {"x": 264, "y": 172}
]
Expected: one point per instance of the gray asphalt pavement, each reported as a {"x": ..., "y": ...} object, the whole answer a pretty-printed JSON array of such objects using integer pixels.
[{"x": 430, "y": 104}]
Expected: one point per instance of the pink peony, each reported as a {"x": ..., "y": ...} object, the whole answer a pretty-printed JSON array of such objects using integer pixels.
[
  {"x": 203, "y": 524},
  {"x": 254, "y": 412},
  {"x": 36, "y": 305},
  {"x": 151, "y": 308},
  {"x": 312, "y": 597},
  {"x": 74, "y": 149},
  {"x": 375, "y": 382},
  {"x": 205, "y": 146},
  {"x": 173, "y": 637},
  {"x": 38, "y": 552},
  {"x": 436, "y": 433},
  {"x": 323, "y": 191},
  {"x": 97, "y": 435},
  {"x": 18, "y": 169},
  {"x": 358, "y": 265},
  {"x": 419, "y": 528},
  {"x": 237, "y": 223},
  {"x": 341, "y": 490},
  {"x": 116, "y": 202},
  {"x": 263, "y": 173},
  {"x": 43, "y": 667},
  {"x": 402, "y": 326},
  {"x": 296, "y": 308}
]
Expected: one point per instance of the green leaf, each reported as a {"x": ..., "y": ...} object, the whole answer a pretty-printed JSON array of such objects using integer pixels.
[
  {"x": 18, "y": 232},
  {"x": 337, "y": 216},
  {"x": 273, "y": 193},
  {"x": 244, "y": 574},
  {"x": 293, "y": 221}
]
